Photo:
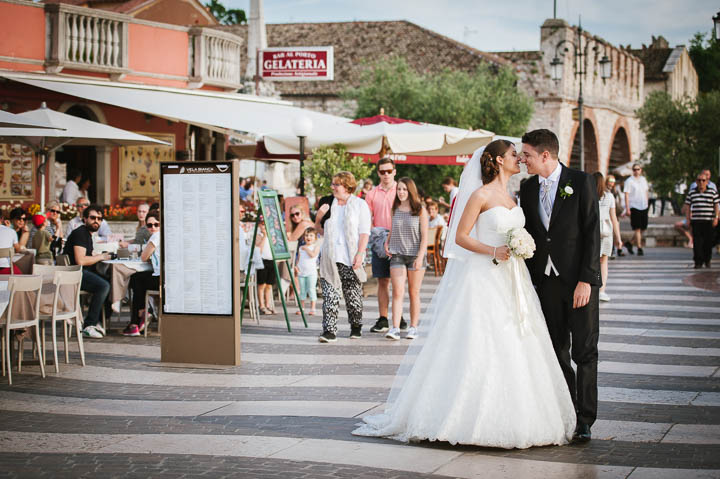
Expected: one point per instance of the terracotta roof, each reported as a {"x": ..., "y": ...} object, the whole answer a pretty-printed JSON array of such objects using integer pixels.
[
  {"x": 654, "y": 60},
  {"x": 533, "y": 55},
  {"x": 358, "y": 43}
]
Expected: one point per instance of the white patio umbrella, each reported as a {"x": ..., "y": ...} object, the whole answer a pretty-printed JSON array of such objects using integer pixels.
[
  {"x": 11, "y": 120},
  {"x": 70, "y": 130},
  {"x": 374, "y": 134}
]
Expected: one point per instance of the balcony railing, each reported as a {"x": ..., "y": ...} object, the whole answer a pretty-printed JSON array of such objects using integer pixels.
[
  {"x": 214, "y": 57},
  {"x": 96, "y": 40},
  {"x": 86, "y": 39}
]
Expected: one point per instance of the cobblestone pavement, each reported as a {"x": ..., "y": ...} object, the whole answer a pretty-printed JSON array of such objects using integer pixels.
[{"x": 288, "y": 410}]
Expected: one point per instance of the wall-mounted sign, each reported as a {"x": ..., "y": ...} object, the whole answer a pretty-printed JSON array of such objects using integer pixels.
[
  {"x": 17, "y": 172},
  {"x": 140, "y": 167},
  {"x": 297, "y": 63}
]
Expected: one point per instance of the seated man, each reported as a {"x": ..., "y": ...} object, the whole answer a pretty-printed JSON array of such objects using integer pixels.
[{"x": 79, "y": 248}]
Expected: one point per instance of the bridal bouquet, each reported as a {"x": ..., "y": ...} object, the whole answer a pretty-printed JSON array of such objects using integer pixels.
[{"x": 520, "y": 242}]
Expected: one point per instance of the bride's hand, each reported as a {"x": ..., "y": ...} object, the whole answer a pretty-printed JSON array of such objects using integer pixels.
[{"x": 502, "y": 253}]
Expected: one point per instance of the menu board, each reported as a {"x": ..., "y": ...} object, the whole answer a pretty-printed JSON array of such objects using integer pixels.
[
  {"x": 17, "y": 173},
  {"x": 270, "y": 209},
  {"x": 196, "y": 251},
  {"x": 140, "y": 166}
]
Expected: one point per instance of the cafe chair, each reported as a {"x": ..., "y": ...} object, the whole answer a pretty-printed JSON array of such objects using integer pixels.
[
  {"x": 11, "y": 319},
  {"x": 431, "y": 251},
  {"x": 148, "y": 293},
  {"x": 62, "y": 260},
  {"x": 69, "y": 312},
  {"x": 8, "y": 253},
  {"x": 48, "y": 275}
]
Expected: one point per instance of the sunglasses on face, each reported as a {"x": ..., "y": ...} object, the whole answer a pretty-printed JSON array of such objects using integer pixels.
[
  {"x": 22, "y": 218},
  {"x": 701, "y": 180},
  {"x": 297, "y": 213},
  {"x": 95, "y": 218},
  {"x": 153, "y": 225},
  {"x": 54, "y": 211},
  {"x": 385, "y": 172}
]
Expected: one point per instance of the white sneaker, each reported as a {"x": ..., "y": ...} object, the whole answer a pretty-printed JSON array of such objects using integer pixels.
[
  {"x": 603, "y": 296},
  {"x": 393, "y": 334},
  {"x": 411, "y": 333},
  {"x": 91, "y": 332},
  {"x": 100, "y": 329}
]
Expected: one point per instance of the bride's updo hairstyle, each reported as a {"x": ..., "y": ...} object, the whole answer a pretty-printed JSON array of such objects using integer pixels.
[{"x": 489, "y": 167}]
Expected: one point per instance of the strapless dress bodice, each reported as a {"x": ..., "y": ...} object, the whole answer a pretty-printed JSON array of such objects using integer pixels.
[{"x": 493, "y": 225}]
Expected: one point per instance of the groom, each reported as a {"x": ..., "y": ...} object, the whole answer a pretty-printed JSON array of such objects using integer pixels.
[{"x": 561, "y": 211}]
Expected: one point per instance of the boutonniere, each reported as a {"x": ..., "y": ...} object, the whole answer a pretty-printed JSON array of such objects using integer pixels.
[{"x": 567, "y": 190}]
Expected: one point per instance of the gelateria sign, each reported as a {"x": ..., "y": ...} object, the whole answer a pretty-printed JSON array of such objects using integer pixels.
[{"x": 297, "y": 63}]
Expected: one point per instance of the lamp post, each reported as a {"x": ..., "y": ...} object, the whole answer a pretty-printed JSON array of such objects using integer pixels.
[
  {"x": 716, "y": 24},
  {"x": 302, "y": 126},
  {"x": 580, "y": 64}
]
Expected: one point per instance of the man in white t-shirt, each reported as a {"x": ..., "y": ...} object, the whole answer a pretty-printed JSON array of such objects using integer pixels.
[
  {"x": 636, "y": 191},
  {"x": 8, "y": 239},
  {"x": 71, "y": 192}
]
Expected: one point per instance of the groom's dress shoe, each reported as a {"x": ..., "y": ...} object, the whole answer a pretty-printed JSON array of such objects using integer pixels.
[{"x": 582, "y": 433}]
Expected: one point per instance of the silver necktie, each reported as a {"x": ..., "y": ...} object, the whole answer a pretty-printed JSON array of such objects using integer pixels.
[{"x": 545, "y": 198}]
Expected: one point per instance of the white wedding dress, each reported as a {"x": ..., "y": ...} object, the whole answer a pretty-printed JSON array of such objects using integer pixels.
[{"x": 483, "y": 371}]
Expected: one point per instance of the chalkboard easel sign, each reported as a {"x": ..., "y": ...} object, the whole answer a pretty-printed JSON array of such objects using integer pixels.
[
  {"x": 271, "y": 217},
  {"x": 274, "y": 224}
]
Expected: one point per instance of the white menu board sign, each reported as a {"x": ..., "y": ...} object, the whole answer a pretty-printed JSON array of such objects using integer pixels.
[{"x": 197, "y": 238}]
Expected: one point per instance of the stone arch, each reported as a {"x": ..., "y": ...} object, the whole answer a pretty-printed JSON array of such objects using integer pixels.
[
  {"x": 87, "y": 111},
  {"x": 620, "y": 152},
  {"x": 591, "y": 147}
]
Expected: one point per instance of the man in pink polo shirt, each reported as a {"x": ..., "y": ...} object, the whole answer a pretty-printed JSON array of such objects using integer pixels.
[{"x": 380, "y": 200}]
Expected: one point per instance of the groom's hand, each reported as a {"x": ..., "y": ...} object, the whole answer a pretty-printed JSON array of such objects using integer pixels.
[{"x": 582, "y": 295}]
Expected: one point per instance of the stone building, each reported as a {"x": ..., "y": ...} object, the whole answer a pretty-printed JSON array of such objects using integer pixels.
[
  {"x": 668, "y": 69},
  {"x": 611, "y": 128}
]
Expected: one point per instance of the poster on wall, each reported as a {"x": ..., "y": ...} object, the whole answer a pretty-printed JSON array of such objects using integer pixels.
[
  {"x": 17, "y": 172},
  {"x": 140, "y": 166}
]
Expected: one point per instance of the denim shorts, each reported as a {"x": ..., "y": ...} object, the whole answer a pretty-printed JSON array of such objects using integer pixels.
[
  {"x": 380, "y": 266},
  {"x": 405, "y": 261}
]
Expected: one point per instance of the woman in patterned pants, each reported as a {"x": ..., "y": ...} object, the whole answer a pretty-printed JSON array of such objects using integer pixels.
[{"x": 346, "y": 235}]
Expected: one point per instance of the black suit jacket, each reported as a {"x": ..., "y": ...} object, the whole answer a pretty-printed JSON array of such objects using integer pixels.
[{"x": 573, "y": 237}]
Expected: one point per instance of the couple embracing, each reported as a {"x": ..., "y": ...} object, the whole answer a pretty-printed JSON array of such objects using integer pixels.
[{"x": 492, "y": 366}]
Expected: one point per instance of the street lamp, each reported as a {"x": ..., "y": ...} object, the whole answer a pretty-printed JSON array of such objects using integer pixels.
[
  {"x": 580, "y": 55},
  {"x": 302, "y": 126},
  {"x": 716, "y": 22}
]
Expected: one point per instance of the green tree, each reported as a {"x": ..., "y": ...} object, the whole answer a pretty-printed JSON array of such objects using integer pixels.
[
  {"x": 705, "y": 56},
  {"x": 328, "y": 160},
  {"x": 226, "y": 16},
  {"x": 683, "y": 137},
  {"x": 487, "y": 98}
]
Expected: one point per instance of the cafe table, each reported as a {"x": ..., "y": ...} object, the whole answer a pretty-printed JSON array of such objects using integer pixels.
[{"x": 120, "y": 271}]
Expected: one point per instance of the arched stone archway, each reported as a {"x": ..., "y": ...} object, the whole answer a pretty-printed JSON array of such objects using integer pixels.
[
  {"x": 591, "y": 148},
  {"x": 619, "y": 150}
]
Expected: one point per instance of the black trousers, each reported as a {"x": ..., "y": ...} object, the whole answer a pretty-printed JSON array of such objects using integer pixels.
[
  {"x": 574, "y": 334},
  {"x": 703, "y": 241},
  {"x": 139, "y": 283}
]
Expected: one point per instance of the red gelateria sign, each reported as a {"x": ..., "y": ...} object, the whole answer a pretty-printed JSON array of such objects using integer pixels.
[{"x": 297, "y": 63}]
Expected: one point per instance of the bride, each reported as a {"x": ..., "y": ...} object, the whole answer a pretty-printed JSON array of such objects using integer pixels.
[{"x": 483, "y": 371}]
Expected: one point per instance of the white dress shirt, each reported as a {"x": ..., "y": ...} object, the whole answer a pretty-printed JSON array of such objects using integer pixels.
[{"x": 554, "y": 180}]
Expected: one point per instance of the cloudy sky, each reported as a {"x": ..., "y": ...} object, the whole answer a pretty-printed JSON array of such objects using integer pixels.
[{"x": 494, "y": 25}]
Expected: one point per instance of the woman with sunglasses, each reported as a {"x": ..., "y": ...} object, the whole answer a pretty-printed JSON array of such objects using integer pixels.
[
  {"x": 19, "y": 220},
  {"x": 143, "y": 281},
  {"x": 299, "y": 222}
]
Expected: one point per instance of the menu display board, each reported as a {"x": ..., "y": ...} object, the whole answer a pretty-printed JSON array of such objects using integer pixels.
[
  {"x": 270, "y": 209},
  {"x": 197, "y": 247},
  {"x": 17, "y": 173},
  {"x": 140, "y": 166}
]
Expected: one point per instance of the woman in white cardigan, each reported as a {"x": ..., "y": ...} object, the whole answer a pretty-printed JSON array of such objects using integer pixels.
[{"x": 346, "y": 235}]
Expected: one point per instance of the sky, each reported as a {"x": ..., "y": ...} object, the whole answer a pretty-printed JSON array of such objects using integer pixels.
[{"x": 496, "y": 25}]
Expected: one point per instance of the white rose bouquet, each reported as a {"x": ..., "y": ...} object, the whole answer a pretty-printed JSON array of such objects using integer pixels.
[{"x": 520, "y": 242}]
